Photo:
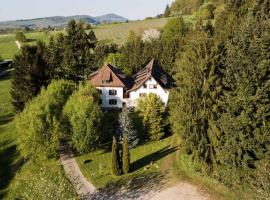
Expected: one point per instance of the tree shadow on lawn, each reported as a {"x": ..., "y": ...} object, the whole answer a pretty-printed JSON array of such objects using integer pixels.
[
  {"x": 133, "y": 187},
  {"x": 153, "y": 157},
  {"x": 6, "y": 118},
  {"x": 139, "y": 183},
  {"x": 10, "y": 163}
]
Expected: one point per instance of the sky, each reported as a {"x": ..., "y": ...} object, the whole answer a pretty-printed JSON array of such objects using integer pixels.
[{"x": 131, "y": 9}]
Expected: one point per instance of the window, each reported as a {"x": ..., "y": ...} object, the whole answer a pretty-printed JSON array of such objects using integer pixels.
[
  {"x": 113, "y": 102},
  {"x": 105, "y": 81},
  {"x": 113, "y": 92},
  {"x": 100, "y": 102},
  {"x": 144, "y": 85},
  {"x": 152, "y": 86},
  {"x": 142, "y": 94},
  {"x": 99, "y": 91}
]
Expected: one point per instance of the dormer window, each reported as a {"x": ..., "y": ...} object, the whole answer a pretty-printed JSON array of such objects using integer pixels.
[{"x": 105, "y": 81}]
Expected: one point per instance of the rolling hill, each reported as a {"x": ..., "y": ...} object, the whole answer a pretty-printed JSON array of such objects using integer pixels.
[{"x": 60, "y": 21}]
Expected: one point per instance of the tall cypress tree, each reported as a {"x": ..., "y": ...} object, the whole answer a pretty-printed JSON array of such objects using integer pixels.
[
  {"x": 116, "y": 163},
  {"x": 125, "y": 156}
]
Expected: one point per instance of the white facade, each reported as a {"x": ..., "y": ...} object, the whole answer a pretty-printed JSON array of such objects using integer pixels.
[
  {"x": 106, "y": 97},
  {"x": 150, "y": 86}
]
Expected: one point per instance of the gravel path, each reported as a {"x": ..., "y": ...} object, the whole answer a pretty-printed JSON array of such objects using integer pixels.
[
  {"x": 182, "y": 191},
  {"x": 74, "y": 174}
]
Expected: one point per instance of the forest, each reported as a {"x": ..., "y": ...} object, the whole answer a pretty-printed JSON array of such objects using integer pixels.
[{"x": 219, "y": 104}]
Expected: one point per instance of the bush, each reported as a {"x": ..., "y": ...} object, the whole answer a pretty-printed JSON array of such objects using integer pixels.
[
  {"x": 207, "y": 11},
  {"x": 83, "y": 115},
  {"x": 20, "y": 37},
  {"x": 38, "y": 124}
]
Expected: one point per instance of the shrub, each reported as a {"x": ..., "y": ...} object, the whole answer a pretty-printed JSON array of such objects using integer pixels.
[
  {"x": 38, "y": 124},
  {"x": 83, "y": 115},
  {"x": 20, "y": 37}
]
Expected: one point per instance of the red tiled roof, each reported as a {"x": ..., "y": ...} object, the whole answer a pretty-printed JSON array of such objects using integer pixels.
[{"x": 113, "y": 76}]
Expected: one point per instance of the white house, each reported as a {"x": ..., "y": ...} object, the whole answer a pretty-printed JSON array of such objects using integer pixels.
[{"x": 118, "y": 90}]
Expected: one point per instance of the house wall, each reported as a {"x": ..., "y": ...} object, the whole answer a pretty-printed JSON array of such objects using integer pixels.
[
  {"x": 135, "y": 95},
  {"x": 105, "y": 96}
]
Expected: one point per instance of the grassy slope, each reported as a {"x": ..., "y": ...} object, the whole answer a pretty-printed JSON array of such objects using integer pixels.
[
  {"x": 9, "y": 157},
  {"x": 115, "y": 32},
  {"x": 12, "y": 175}
]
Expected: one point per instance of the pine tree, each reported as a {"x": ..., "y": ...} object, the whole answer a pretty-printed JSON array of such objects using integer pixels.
[
  {"x": 115, "y": 158},
  {"x": 30, "y": 74},
  {"x": 126, "y": 156},
  {"x": 127, "y": 129},
  {"x": 77, "y": 52},
  {"x": 167, "y": 12}
]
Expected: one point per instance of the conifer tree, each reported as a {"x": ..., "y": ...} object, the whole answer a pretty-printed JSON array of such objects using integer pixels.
[
  {"x": 127, "y": 129},
  {"x": 125, "y": 156},
  {"x": 152, "y": 109},
  {"x": 30, "y": 74},
  {"x": 167, "y": 11},
  {"x": 116, "y": 163}
]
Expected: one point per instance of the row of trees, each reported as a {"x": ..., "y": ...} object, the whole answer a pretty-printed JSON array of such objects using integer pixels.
[
  {"x": 220, "y": 106},
  {"x": 71, "y": 57}
]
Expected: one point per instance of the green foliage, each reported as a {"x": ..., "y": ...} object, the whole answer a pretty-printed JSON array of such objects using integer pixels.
[
  {"x": 120, "y": 61},
  {"x": 206, "y": 11},
  {"x": 220, "y": 106},
  {"x": 77, "y": 52},
  {"x": 83, "y": 115},
  {"x": 175, "y": 28},
  {"x": 125, "y": 156},
  {"x": 151, "y": 109},
  {"x": 186, "y": 7},
  {"x": 39, "y": 125},
  {"x": 20, "y": 37},
  {"x": 167, "y": 12},
  {"x": 116, "y": 161},
  {"x": 30, "y": 74},
  {"x": 127, "y": 129}
]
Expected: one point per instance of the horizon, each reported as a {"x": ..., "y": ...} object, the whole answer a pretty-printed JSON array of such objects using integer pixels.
[{"x": 31, "y": 9}]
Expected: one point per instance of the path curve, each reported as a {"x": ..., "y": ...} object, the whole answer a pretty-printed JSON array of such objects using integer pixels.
[
  {"x": 18, "y": 44},
  {"x": 83, "y": 187}
]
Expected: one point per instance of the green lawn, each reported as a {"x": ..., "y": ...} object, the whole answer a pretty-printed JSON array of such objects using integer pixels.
[
  {"x": 15, "y": 172},
  {"x": 96, "y": 166},
  {"x": 9, "y": 156}
]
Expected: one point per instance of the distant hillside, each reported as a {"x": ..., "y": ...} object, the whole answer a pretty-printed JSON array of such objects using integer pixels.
[{"x": 60, "y": 21}]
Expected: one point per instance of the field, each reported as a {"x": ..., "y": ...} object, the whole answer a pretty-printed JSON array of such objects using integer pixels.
[{"x": 115, "y": 32}]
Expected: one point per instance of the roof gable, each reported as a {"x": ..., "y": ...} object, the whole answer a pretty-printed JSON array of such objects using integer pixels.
[
  {"x": 152, "y": 69},
  {"x": 108, "y": 76}
]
